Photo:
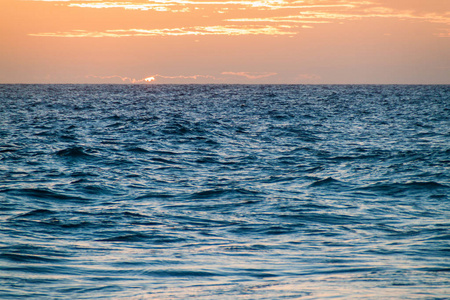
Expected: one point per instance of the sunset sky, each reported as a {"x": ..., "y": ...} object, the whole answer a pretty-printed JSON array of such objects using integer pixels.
[{"x": 225, "y": 41}]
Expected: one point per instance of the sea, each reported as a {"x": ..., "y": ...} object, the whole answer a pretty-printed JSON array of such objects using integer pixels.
[{"x": 224, "y": 191}]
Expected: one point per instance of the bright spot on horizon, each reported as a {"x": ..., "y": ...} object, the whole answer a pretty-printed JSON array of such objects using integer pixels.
[{"x": 149, "y": 79}]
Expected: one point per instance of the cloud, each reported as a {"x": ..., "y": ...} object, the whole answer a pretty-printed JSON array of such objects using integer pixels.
[
  {"x": 166, "y": 5},
  {"x": 152, "y": 78},
  {"x": 230, "y": 30},
  {"x": 348, "y": 10},
  {"x": 123, "y": 78},
  {"x": 444, "y": 34},
  {"x": 316, "y": 17},
  {"x": 195, "y": 77},
  {"x": 301, "y": 19},
  {"x": 125, "y": 5},
  {"x": 269, "y": 15},
  {"x": 251, "y": 75},
  {"x": 308, "y": 78},
  {"x": 177, "y": 78}
]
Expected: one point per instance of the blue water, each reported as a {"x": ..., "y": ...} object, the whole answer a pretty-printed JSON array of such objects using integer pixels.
[{"x": 224, "y": 192}]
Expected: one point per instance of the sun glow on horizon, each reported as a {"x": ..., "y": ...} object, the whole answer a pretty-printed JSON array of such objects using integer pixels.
[{"x": 149, "y": 79}]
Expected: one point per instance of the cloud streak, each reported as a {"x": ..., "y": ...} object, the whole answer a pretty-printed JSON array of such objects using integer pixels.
[
  {"x": 195, "y": 77},
  {"x": 151, "y": 78},
  {"x": 122, "y": 78},
  {"x": 230, "y": 30},
  {"x": 165, "y": 5},
  {"x": 251, "y": 75},
  {"x": 316, "y": 17},
  {"x": 168, "y": 5}
]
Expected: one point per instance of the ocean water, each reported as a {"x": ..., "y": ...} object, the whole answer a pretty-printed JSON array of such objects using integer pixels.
[{"x": 224, "y": 192}]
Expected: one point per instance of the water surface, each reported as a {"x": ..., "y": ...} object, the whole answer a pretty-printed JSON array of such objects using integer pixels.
[{"x": 224, "y": 192}]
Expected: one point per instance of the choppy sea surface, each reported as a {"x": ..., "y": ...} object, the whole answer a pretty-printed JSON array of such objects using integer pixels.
[{"x": 224, "y": 192}]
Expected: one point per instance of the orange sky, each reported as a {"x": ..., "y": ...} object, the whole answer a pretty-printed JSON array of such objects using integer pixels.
[{"x": 225, "y": 41}]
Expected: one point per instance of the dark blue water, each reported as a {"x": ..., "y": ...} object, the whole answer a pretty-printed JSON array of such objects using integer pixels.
[{"x": 224, "y": 192}]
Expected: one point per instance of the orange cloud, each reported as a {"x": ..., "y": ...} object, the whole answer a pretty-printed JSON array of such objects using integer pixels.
[
  {"x": 185, "y": 77},
  {"x": 444, "y": 34},
  {"x": 155, "y": 77},
  {"x": 152, "y": 78},
  {"x": 308, "y": 78},
  {"x": 250, "y": 75},
  {"x": 231, "y": 30},
  {"x": 166, "y": 5},
  {"x": 348, "y": 11},
  {"x": 123, "y": 78}
]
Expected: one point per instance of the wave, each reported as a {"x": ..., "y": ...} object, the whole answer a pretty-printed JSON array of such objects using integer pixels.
[
  {"x": 141, "y": 237},
  {"x": 27, "y": 258},
  {"x": 76, "y": 152},
  {"x": 44, "y": 194},
  {"x": 138, "y": 150},
  {"x": 214, "y": 193},
  {"x": 408, "y": 187},
  {"x": 180, "y": 273}
]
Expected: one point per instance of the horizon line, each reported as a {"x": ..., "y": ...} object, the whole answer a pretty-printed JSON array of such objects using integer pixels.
[{"x": 150, "y": 84}]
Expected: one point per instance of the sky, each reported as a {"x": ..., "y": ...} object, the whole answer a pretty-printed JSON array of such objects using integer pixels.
[{"x": 225, "y": 41}]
